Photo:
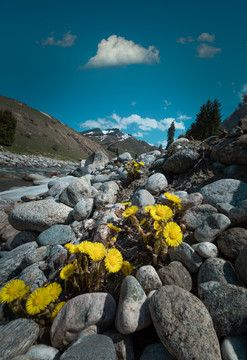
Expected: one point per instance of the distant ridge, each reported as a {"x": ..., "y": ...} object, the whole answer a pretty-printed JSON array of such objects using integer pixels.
[
  {"x": 232, "y": 120},
  {"x": 40, "y": 133},
  {"x": 117, "y": 141}
]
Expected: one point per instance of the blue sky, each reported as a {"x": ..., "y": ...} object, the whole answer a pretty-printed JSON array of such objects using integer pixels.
[{"x": 135, "y": 65}]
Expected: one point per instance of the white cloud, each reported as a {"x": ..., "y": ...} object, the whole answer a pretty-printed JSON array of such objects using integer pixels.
[
  {"x": 117, "y": 51},
  {"x": 243, "y": 91},
  {"x": 167, "y": 103},
  {"x": 133, "y": 103},
  {"x": 183, "y": 40},
  {"x": 138, "y": 134},
  {"x": 68, "y": 40},
  {"x": 184, "y": 117},
  {"x": 144, "y": 124},
  {"x": 206, "y": 51},
  {"x": 163, "y": 143},
  {"x": 206, "y": 37}
]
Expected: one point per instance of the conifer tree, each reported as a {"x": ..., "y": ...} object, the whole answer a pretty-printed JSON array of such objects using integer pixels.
[
  {"x": 7, "y": 127},
  {"x": 170, "y": 134},
  {"x": 207, "y": 121}
]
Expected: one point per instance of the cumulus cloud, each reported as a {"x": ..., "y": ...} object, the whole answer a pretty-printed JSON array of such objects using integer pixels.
[
  {"x": 243, "y": 91},
  {"x": 206, "y": 37},
  {"x": 122, "y": 123},
  {"x": 207, "y": 51},
  {"x": 117, "y": 51},
  {"x": 163, "y": 143},
  {"x": 183, "y": 40},
  {"x": 184, "y": 117},
  {"x": 68, "y": 40}
]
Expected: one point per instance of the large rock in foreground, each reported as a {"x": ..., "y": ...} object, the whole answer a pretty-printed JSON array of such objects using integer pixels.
[
  {"x": 183, "y": 324},
  {"x": 39, "y": 215},
  {"x": 231, "y": 151},
  {"x": 80, "y": 312}
]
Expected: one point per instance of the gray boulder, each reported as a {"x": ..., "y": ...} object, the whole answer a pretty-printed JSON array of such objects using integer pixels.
[
  {"x": 231, "y": 151},
  {"x": 125, "y": 157},
  {"x": 43, "y": 352},
  {"x": 227, "y": 305},
  {"x": 232, "y": 241},
  {"x": 56, "y": 235},
  {"x": 156, "y": 183},
  {"x": 183, "y": 324},
  {"x": 39, "y": 215},
  {"x": 240, "y": 265},
  {"x": 148, "y": 278},
  {"x": 195, "y": 216},
  {"x": 77, "y": 190},
  {"x": 96, "y": 161},
  {"x": 187, "y": 256},
  {"x": 142, "y": 198},
  {"x": 181, "y": 161},
  {"x": 133, "y": 312},
  {"x": 10, "y": 263},
  {"x": 83, "y": 209},
  {"x": 206, "y": 249},
  {"x": 80, "y": 312},
  {"x": 212, "y": 227},
  {"x": 175, "y": 274},
  {"x": 92, "y": 347},
  {"x": 16, "y": 337}
]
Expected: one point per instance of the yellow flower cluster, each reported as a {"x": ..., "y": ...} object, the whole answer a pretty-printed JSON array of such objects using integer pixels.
[
  {"x": 133, "y": 169},
  {"x": 15, "y": 289}
]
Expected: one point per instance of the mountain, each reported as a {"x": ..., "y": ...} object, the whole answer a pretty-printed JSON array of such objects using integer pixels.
[
  {"x": 39, "y": 133},
  {"x": 232, "y": 120},
  {"x": 116, "y": 141}
]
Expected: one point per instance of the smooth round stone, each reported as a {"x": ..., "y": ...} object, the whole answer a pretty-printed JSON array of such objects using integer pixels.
[
  {"x": 232, "y": 241},
  {"x": 33, "y": 276},
  {"x": 240, "y": 265},
  {"x": 227, "y": 305},
  {"x": 33, "y": 257},
  {"x": 156, "y": 183},
  {"x": 83, "y": 209},
  {"x": 215, "y": 269},
  {"x": 56, "y": 189},
  {"x": 77, "y": 190},
  {"x": 206, "y": 249},
  {"x": 92, "y": 347},
  {"x": 123, "y": 344},
  {"x": 187, "y": 256},
  {"x": 176, "y": 274},
  {"x": 39, "y": 215},
  {"x": 156, "y": 352},
  {"x": 96, "y": 161},
  {"x": 56, "y": 235},
  {"x": 43, "y": 352},
  {"x": 142, "y": 198},
  {"x": 181, "y": 161},
  {"x": 195, "y": 216},
  {"x": 183, "y": 324},
  {"x": 17, "y": 336},
  {"x": 212, "y": 227},
  {"x": 234, "y": 348},
  {"x": 148, "y": 278},
  {"x": 132, "y": 312},
  {"x": 80, "y": 312},
  {"x": 125, "y": 156}
]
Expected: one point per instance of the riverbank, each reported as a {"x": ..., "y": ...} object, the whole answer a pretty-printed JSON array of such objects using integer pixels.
[{"x": 15, "y": 169}]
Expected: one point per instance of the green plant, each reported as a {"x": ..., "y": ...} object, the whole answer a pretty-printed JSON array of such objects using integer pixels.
[{"x": 7, "y": 127}]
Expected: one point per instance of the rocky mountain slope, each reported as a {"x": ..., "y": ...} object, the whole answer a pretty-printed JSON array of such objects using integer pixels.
[
  {"x": 118, "y": 142},
  {"x": 40, "y": 133},
  {"x": 232, "y": 120}
]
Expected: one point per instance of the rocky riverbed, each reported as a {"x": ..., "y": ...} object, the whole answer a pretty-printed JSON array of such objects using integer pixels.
[{"x": 190, "y": 305}]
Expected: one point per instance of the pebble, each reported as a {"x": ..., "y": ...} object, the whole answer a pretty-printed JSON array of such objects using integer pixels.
[
  {"x": 43, "y": 352},
  {"x": 56, "y": 235},
  {"x": 187, "y": 256},
  {"x": 156, "y": 183},
  {"x": 206, "y": 249},
  {"x": 195, "y": 216},
  {"x": 232, "y": 241},
  {"x": 240, "y": 265},
  {"x": 148, "y": 278},
  {"x": 212, "y": 227},
  {"x": 234, "y": 348},
  {"x": 142, "y": 198}
]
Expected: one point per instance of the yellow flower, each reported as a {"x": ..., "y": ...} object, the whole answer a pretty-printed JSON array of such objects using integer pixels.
[
  {"x": 171, "y": 197},
  {"x": 38, "y": 301},
  {"x": 148, "y": 208},
  {"x": 141, "y": 163},
  {"x": 56, "y": 310},
  {"x": 67, "y": 271},
  {"x": 85, "y": 247},
  {"x": 126, "y": 203},
  {"x": 97, "y": 252},
  {"x": 173, "y": 234},
  {"x": 114, "y": 238},
  {"x": 132, "y": 210},
  {"x": 113, "y": 260},
  {"x": 161, "y": 212},
  {"x": 73, "y": 249},
  {"x": 15, "y": 289},
  {"x": 113, "y": 227},
  {"x": 126, "y": 268},
  {"x": 54, "y": 291}
]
